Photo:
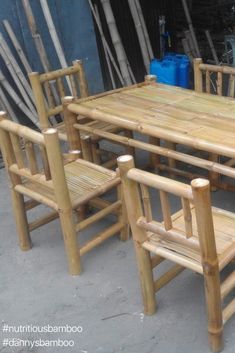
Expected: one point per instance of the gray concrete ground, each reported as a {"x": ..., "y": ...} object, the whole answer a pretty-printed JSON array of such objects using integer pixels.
[{"x": 35, "y": 289}]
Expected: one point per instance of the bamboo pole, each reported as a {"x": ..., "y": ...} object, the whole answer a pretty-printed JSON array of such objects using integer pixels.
[
  {"x": 134, "y": 210},
  {"x": 140, "y": 34},
  {"x": 17, "y": 46},
  {"x": 17, "y": 99},
  {"x": 105, "y": 49},
  {"x": 212, "y": 48},
  {"x": 198, "y": 162},
  {"x": 201, "y": 195},
  {"x": 142, "y": 21},
  {"x": 187, "y": 50},
  {"x": 189, "y": 20},
  {"x": 10, "y": 61},
  {"x": 106, "y": 44},
  {"x": 190, "y": 42},
  {"x": 198, "y": 84},
  {"x": 39, "y": 44},
  {"x": 18, "y": 81},
  {"x": 168, "y": 276},
  {"x": 7, "y": 106},
  {"x": 121, "y": 56},
  {"x": 54, "y": 37},
  {"x": 63, "y": 199}
]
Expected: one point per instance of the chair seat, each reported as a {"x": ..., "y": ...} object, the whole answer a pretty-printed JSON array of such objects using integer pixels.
[
  {"x": 85, "y": 181},
  {"x": 94, "y": 124},
  {"x": 224, "y": 227}
]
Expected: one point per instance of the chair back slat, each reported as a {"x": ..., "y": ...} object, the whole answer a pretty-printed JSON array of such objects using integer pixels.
[
  {"x": 146, "y": 202},
  {"x": 60, "y": 87},
  {"x": 219, "y": 84},
  {"x": 166, "y": 212},
  {"x": 187, "y": 217},
  {"x": 31, "y": 157},
  {"x": 208, "y": 82},
  {"x": 49, "y": 95},
  {"x": 74, "y": 87},
  {"x": 17, "y": 147}
]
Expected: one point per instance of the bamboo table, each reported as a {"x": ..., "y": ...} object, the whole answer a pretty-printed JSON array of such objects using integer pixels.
[{"x": 202, "y": 121}]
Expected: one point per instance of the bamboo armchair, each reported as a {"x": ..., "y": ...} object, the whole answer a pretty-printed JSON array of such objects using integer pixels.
[
  {"x": 198, "y": 237},
  {"x": 40, "y": 174},
  {"x": 57, "y": 84},
  {"x": 203, "y": 83}
]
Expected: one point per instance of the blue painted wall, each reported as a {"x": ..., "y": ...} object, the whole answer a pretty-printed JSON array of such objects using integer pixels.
[{"x": 75, "y": 29}]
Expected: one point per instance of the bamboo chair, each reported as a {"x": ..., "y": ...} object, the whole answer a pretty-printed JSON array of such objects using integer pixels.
[
  {"x": 203, "y": 83},
  {"x": 55, "y": 86},
  {"x": 198, "y": 237},
  {"x": 40, "y": 174}
]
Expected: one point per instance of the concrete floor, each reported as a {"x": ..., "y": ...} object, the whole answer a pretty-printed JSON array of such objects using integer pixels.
[{"x": 105, "y": 300}]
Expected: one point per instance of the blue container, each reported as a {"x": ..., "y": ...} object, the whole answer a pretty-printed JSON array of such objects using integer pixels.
[
  {"x": 163, "y": 69},
  {"x": 166, "y": 71}
]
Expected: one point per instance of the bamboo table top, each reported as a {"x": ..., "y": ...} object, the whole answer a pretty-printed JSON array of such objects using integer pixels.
[{"x": 179, "y": 115}]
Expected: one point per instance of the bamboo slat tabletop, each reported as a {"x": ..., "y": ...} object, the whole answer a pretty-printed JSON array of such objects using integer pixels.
[{"x": 179, "y": 113}]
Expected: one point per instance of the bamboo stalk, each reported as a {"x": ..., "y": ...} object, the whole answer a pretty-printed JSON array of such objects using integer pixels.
[
  {"x": 7, "y": 106},
  {"x": 106, "y": 44},
  {"x": 140, "y": 34},
  {"x": 17, "y": 78},
  {"x": 168, "y": 276},
  {"x": 212, "y": 48},
  {"x": 100, "y": 237},
  {"x": 229, "y": 311},
  {"x": 54, "y": 37},
  {"x": 174, "y": 257},
  {"x": 39, "y": 44},
  {"x": 17, "y": 46},
  {"x": 99, "y": 215},
  {"x": 63, "y": 199},
  {"x": 105, "y": 49},
  {"x": 201, "y": 195},
  {"x": 199, "y": 162},
  {"x": 122, "y": 60},
  {"x": 134, "y": 209},
  {"x": 43, "y": 220},
  {"x": 17, "y": 99},
  {"x": 189, "y": 20},
  {"x": 142, "y": 21},
  {"x": 227, "y": 285},
  {"x": 172, "y": 235},
  {"x": 187, "y": 50}
]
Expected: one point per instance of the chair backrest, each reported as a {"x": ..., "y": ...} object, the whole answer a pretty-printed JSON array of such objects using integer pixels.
[
  {"x": 50, "y": 88},
  {"x": 195, "y": 200},
  {"x": 214, "y": 78},
  {"x": 34, "y": 157}
]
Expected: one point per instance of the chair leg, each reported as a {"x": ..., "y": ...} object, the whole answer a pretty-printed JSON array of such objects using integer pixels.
[
  {"x": 86, "y": 149},
  {"x": 96, "y": 158},
  {"x": 70, "y": 241},
  {"x": 154, "y": 159},
  {"x": 214, "y": 310},
  {"x": 21, "y": 221},
  {"x": 146, "y": 279},
  {"x": 171, "y": 162},
  {"x": 129, "y": 150},
  {"x": 213, "y": 176},
  {"x": 125, "y": 232}
]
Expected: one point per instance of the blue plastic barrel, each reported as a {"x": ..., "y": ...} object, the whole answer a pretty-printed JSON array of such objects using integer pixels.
[{"x": 166, "y": 71}]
